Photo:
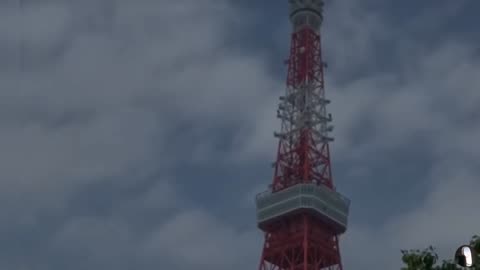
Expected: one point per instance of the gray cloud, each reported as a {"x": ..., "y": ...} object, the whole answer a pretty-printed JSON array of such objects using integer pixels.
[{"x": 104, "y": 88}]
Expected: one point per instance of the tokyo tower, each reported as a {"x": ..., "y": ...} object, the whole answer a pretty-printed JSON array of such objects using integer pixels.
[{"x": 302, "y": 214}]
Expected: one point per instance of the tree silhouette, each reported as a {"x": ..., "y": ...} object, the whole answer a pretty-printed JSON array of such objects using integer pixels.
[{"x": 427, "y": 259}]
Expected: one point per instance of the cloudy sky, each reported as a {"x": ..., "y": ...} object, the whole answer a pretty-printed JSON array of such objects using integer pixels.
[{"x": 135, "y": 134}]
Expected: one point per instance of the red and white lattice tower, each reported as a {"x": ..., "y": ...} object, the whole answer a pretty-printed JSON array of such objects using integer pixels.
[{"x": 301, "y": 214}]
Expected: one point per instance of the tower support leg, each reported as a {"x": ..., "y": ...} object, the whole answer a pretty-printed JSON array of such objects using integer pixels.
[{"x": 300, "y": 244}]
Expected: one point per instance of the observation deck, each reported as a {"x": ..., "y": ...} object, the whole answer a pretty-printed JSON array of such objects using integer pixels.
[
  {"x": 306, "y": 13},
  {"x": 327, "y": 205}
]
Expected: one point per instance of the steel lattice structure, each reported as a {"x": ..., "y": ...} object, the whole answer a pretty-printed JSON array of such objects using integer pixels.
[{"x": 302, "y": 214}]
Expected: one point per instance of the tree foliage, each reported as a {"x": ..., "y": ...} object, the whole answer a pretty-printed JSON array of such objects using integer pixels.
[{"x": 427, "y": 259}]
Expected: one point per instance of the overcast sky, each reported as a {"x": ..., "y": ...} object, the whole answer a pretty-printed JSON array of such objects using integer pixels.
[{"x": 135, "y": 134}]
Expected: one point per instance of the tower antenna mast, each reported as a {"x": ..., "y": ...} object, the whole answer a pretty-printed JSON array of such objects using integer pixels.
[{"x": 21, "y": 49}]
